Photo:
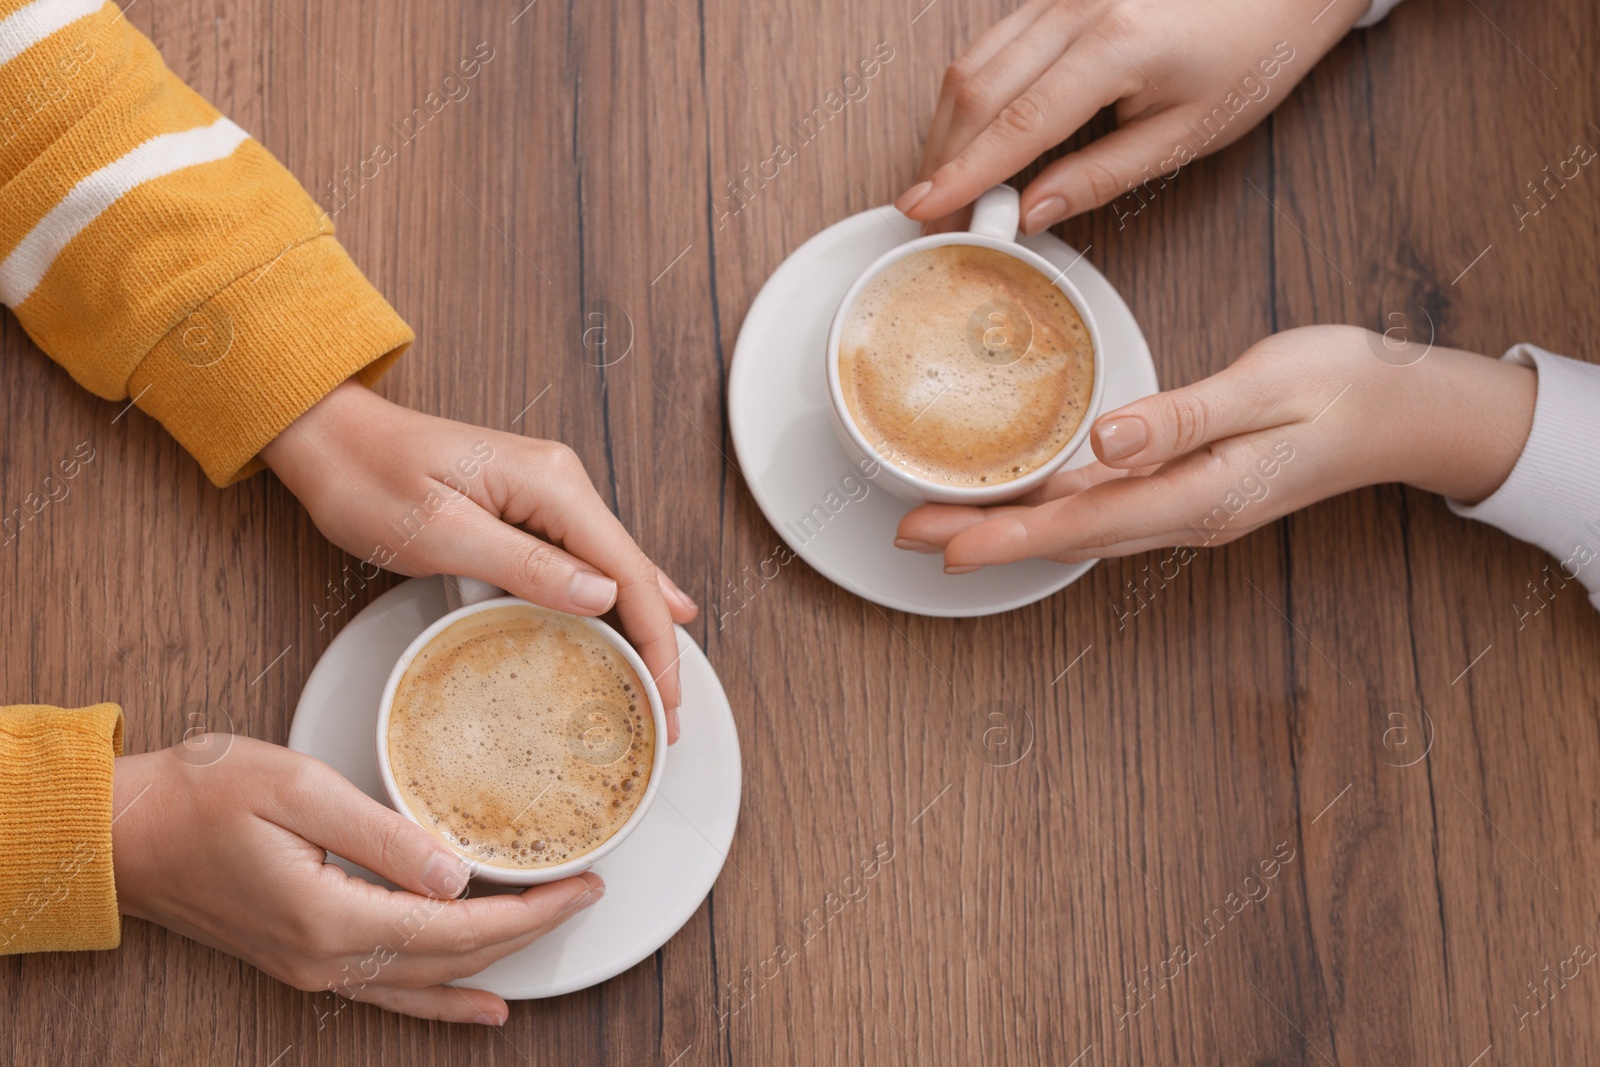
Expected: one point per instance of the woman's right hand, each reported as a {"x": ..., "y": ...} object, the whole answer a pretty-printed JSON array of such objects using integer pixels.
[
  {"x": 1301, "y": 416},
  {"x": 223, "y": 841},
  {"x": 1186, "y": 77}
]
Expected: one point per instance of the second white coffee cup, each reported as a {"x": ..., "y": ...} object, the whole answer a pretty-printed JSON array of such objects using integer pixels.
[{"x": 994, "y": 226}]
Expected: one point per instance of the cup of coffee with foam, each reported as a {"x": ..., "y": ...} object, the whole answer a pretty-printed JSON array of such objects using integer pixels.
[
  {"x": 966, "y": 368},
  {"x": 529, "y": 741}
]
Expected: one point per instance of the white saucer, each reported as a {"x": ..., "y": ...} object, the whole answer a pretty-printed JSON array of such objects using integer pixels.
[
  {"x": 655, "y": 880},
  {"x": 778, "y": 413}
]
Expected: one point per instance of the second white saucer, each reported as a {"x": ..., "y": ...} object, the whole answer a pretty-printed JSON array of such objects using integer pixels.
[{"x": 814, "y": 496}]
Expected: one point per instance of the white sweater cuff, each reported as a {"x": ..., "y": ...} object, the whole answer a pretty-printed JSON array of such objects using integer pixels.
[
  {"x": 1375, "y": 14},
  {"x": 1552, "y": 497}
]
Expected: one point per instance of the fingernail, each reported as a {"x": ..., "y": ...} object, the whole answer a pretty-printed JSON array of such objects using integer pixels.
[
  {"x": 592, "y": 592},
  {"x": 578, "y": 903},
  {"x": 913, "y": 196},
  {"x": 489, "y": 1018},
  {"x": 1122, "y": 438},
  {"x": 1044, "y": 213},
  {"x": 445, "y": 876},
  {"x": 677, "y": 594},
  {"x": 912, "y": 545},
  {"x": 963, "y": 570}
]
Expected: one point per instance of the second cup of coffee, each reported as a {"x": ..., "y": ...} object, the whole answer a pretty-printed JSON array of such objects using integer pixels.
[{"x": 964, "y": 367}]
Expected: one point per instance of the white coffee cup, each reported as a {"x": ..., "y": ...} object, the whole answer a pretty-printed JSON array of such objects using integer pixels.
[
  {"x": 994, "y": 226},
  {"x": 470, "y": 596}
]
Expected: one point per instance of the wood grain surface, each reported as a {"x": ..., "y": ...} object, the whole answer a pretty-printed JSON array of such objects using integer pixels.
[{"x": 1355, "y": 699}]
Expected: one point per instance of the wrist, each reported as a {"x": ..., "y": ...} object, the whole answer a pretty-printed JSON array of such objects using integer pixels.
[
  {"x": 1321, "y": 36},
  {"x": 1477, "y": 412},
  {"x": 303, "y": 454},
  {"x": 136, "y": 791}
]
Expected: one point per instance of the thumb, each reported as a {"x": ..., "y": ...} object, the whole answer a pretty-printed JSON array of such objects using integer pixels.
[
  {"x": 1167, "y": 425},
  {"x": 326, "y": 809}
]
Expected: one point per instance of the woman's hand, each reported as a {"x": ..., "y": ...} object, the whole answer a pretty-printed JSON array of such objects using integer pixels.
[
  {"x": 1186, "y": 76},
  {"x": 1302, "y": 416},
  {"x": 421, "y": 495},
  {"x": 221, "y": 839}
]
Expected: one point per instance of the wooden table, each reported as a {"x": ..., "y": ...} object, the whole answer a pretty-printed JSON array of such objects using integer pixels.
[{"x": 1353, "y": 697}]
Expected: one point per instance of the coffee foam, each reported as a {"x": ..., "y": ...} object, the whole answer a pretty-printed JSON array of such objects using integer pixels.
[
  {"x": 927, "y": 393},
  {"x": 522, "y": 737}
]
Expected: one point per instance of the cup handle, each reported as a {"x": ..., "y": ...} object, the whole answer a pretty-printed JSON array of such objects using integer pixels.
[
  {"x": 459, "y": 592},
  {"x": 997, "y": 213}
]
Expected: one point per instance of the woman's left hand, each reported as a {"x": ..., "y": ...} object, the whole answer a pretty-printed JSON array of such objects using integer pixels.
[
  {"x": 1186, "y": 78},
  {"x": 419, "y": 495}
]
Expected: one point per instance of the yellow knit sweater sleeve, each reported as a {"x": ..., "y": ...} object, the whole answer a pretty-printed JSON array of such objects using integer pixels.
[
  {"x": 56, "y": 885},
  {"x": 155, "y": 251}
]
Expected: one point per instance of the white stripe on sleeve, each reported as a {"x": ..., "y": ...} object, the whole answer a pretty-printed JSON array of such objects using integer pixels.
[
  {"x": 23, "y": 29},
  {"x": 25, "y": 267}
]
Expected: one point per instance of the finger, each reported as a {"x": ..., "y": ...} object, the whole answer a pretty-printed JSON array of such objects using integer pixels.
[
  {"x": 480, "y": 930},
  {"x": 449, "y": 1004},
  {"x": 931, "y": 526},
  {"x": 1170, "y": 539},
  {"x": 958, "y": 221},
  {"x": 1166, "y": 425},
  {"x": 575, "y": 516},
  {"x": 973, "y": 102},
  {"x": 1043, "y": 115},
  {"x": 937, "y": 150},
  {"x": 1076, "y": 480},
  {"x": 962, "y": 70},
  {"x": 1018, "y": 64},
  {"x": 683, "y": 609},
  {"x": 431, "y": 941},
  {"x": 1192, "y": 498},
  {"x": 526, "y": 566},
  {"x": 1138, "y": 159},
  {"x": 319, "y": 804},
  {"x": 465, "y": 967}
]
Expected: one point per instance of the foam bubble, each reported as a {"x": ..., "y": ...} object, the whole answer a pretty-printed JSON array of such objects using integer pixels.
[
  {"x": 522, "y": 737},
  {"x": 955, "y": 402}
]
